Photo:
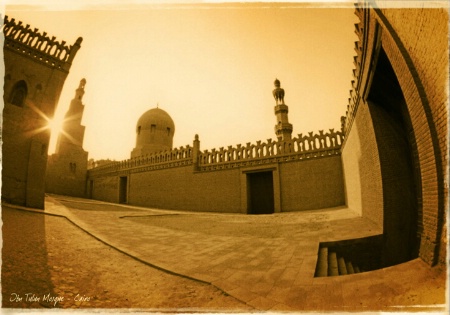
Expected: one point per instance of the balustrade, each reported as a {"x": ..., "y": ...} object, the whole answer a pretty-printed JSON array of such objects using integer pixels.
[
  {"x": 162, "y": 158},
  {"x": 312, "y": 143}
]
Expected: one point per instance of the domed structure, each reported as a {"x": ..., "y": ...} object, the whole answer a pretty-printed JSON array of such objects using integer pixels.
[{"x": 154, "y": 132}]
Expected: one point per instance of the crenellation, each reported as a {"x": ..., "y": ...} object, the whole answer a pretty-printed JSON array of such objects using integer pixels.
[
  {"x": 40, "y": 47},
  {"x": 161, "y": 158},
  {"x": 301, "y": 147}
]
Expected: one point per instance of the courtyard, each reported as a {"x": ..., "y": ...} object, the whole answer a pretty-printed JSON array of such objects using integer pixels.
[{"x": 82, "y": 253}]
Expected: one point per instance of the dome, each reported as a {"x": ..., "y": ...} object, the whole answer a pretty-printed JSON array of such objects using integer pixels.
[
  {"x": 157, "y": 117},
  {"x": 154, "y": 132}
]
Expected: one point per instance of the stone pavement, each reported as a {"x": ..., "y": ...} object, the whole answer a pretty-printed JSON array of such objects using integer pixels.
[{"x": 266, "y": 261}]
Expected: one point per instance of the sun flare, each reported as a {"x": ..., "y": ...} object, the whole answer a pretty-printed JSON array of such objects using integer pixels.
[{"x": 55, "y": 125}]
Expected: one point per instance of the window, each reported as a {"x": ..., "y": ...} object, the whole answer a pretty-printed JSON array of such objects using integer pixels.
[
  {"x": 153, "y": 128},
  {"x": 18, "y": 94},
  {"x": 139, "y": 130},
  {"x": 168, "y": 131}
]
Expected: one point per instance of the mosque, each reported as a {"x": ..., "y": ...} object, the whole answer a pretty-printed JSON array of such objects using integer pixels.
[{"x": 388, "y": 162}]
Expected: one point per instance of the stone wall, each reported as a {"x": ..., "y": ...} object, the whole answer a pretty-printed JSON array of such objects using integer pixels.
[
  {"x": 304, "y": 185},
  {"x": 361, "y": 165},
  {"x": 105, "y": 188},
  {"x": 311, "y": 184},
  {"x": 183, "y": 189},
  {"x": 66, "y": 173},
  {"x": 39, "y": 65}
]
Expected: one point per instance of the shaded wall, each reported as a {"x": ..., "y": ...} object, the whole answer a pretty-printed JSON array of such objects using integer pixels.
[{"x": 361, "y": 167}]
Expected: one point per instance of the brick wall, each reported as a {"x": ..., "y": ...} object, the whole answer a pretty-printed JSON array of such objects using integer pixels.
[
  {"x": 181, "y": 188},
  {"x": 420, "y": 39},
  {"x": 311, "y": 184},
  {"x": 361, "y": 165},
  {"x": 415, "y": 42}
]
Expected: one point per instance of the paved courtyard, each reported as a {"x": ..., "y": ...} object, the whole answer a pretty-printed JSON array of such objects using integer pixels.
[{"x": 266, "y": 262}]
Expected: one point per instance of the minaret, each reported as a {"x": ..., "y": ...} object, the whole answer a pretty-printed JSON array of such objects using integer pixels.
[
  {"x": 283, "y": 129},
  {"x": 67, "y": 168},
  {"x": 73, "y": 131}
]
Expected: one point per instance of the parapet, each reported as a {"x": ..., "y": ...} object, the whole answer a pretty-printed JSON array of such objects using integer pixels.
[
  {"x": 39, "y": 47},
  {"x": 302, "y": 147}
]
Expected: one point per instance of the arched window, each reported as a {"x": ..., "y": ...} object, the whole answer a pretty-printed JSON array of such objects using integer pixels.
[{"x": 19, "y": 94}]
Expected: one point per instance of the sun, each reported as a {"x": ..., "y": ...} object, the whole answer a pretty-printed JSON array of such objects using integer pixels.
[{"x": 55, "y": 126}]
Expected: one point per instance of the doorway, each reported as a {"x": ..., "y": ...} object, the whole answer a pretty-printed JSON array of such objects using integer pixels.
[
  {"x": 123, "y": 189},
  {"x": 400, "y": 170},
  {"x": 260, "y": 193}
]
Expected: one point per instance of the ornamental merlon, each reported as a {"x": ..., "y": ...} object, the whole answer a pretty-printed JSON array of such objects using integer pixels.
[{"x": 39, "y": 47}]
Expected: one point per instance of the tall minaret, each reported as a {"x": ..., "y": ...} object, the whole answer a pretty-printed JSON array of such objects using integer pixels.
[
  {"x": 73, "y": 131},
  {"x": 67, "y": 168},
  {"x": 283, "y": 129}
]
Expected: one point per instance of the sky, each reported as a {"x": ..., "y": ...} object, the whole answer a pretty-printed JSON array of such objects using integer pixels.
[{"x": 210, "y": 66}]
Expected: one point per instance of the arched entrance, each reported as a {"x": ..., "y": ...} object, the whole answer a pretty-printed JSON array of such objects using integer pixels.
[{"x": 400, "y": 168}]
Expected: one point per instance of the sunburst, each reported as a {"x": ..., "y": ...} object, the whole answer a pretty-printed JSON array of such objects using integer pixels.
[{"x": 55, "y": 126}]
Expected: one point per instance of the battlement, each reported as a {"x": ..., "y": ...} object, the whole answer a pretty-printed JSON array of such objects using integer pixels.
[
  {"x": 39, "y": 47},
  {"x": 303, "y": 147},
  {"x": 354, "y": 98},
  {"x": 164, "y": 159}
]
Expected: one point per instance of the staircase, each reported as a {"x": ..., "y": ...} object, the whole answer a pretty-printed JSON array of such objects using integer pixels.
[{"x": 348, "y": 257}]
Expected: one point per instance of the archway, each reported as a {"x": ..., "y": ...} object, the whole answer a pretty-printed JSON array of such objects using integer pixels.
[{"x": 400, "y": 168}]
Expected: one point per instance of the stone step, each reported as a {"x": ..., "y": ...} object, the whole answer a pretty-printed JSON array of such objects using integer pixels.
[
  {"x": 349, "y": 266},
  {"x": 342, "y": 268},
  {"x": 332, "y": 264},
  {"x": 322, "y": 262}
]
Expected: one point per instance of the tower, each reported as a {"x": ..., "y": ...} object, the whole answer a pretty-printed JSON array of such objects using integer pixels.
[
  {"x": 36, "y": 66},
  {"x": 283, "y": 129},
  {"x": 67, "y": 168},
  {"x": 73, "y": 132}
]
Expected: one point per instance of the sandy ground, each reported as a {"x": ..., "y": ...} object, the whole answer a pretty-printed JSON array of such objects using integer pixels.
[{"x": 50, "y": 263}]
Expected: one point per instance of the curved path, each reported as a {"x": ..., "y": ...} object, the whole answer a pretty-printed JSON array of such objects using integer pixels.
[{"x": 266, "y": 261}]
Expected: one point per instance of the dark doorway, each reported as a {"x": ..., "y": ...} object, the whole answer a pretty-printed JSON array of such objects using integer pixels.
[
  {"x": 123, "y": 190},
  {"x": 260, "y": 193},
  {"x": 400, "y": 170}
]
